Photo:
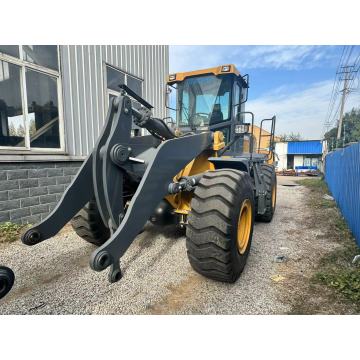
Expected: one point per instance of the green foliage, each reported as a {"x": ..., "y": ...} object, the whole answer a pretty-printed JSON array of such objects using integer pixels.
[
  {"x": 346, "y": 282},
  {"x": 319, "y": 186},
  {"x": 10, "y": 232},
  {"x": 335, "y": 269},
  {"x": 351, "y": 122}
]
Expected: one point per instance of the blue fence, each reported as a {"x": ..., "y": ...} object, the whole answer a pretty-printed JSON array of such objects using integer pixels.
[{"x": 342, "y": 175}]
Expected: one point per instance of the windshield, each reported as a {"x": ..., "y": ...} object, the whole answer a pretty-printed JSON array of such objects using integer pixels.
[{"x": 204, "y": 101}]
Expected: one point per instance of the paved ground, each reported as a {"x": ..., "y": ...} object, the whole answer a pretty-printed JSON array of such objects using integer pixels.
[{"x": 54, "y": 277}]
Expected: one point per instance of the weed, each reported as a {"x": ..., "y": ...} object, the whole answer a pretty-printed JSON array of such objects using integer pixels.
[
  {"x": 335, "y": 269},
  {"x": 10, "y": 232}
]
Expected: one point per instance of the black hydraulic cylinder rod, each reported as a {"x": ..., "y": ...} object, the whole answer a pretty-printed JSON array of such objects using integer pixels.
[
  {"x": 155, "y": 126},
  {"x": 186, "y": 183}
]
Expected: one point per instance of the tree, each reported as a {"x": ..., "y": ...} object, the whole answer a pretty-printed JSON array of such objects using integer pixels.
[
  {"x": 290, "y": 137},
  {"x": 351, "y": 124}
]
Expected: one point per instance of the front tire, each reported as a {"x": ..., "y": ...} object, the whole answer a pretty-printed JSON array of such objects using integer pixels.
[
  {"x": 88, "y": 224},
  {"x": 7, "y": 279},
  {"x": 220, "y": 224}
]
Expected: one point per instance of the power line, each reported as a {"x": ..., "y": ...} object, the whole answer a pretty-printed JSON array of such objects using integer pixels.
[
  {"x": 348, "y": 74},
  {"x": 333, "y": 91}
]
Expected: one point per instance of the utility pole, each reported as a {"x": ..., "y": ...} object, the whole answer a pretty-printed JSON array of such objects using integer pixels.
[{"x": 347, "y": 72}]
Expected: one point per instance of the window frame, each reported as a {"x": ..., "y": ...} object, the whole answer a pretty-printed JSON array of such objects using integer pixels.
[
  {"x": 23, "y": 64},
  {"x": 109, "y": 92}
]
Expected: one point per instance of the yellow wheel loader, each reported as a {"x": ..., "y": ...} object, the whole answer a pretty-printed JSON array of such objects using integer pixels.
[{"x": 192, "y": 173}]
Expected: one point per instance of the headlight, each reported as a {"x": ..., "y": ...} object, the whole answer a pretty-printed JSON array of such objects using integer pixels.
[
  {"x": 225, "y": 68},
  {"x": 242, "y": 128},
  {"x": 172, "y": 77}
]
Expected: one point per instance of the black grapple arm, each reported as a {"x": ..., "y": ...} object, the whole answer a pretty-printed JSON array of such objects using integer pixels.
[{"x": 103, "y": 176}]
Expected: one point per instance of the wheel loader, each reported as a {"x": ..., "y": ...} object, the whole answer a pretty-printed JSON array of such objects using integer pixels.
[{"x": 192, "y": 173}]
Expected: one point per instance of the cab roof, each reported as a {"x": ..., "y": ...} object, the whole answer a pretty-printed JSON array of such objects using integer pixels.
[{"x": 218, "y": 70}]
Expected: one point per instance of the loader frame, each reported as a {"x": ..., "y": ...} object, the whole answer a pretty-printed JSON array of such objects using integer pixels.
[{"x": 130, "y": 176}]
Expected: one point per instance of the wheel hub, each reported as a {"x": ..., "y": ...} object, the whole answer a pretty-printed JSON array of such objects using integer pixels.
[{"x": 244, "y": 226}]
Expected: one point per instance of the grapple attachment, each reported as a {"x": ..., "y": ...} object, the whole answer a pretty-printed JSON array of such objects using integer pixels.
[{"x": 148, "y": 162}]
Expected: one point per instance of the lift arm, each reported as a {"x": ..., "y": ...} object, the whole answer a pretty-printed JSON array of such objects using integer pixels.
[{"x": 102, "y": 176}]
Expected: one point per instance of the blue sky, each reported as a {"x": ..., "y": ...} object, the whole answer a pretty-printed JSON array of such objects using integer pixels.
[{"x": 292, "y": 82}]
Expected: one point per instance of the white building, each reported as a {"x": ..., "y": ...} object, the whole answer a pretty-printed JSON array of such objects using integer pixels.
[{"x": 299, "y": 155}]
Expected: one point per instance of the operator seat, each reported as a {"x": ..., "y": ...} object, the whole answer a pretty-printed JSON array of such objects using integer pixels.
[{"x": 216, "y": 115}]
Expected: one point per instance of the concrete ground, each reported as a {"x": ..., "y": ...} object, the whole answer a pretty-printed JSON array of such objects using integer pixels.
[{"x": 54, "y": 277}]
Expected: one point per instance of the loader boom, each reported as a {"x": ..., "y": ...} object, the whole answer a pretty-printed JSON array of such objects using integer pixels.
[{"x": 115, "y": 156}]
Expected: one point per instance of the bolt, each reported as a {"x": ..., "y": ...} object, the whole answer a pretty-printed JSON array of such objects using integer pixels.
[{"x": 126, "y": 110}]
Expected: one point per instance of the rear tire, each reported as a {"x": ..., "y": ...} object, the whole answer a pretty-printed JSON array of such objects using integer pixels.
[
  {"x": 214, "y": 242},
  {"x": 271, "y": 189},
  {"x": 88, "y": 224}
]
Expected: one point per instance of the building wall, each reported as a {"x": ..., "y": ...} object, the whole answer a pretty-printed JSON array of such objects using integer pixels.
[
  {"x": 28, "y": 191},
  {"x": 84, "y": 86},
  {"x": 32, "y": 183},
  {"x": 281, "y": 152}
]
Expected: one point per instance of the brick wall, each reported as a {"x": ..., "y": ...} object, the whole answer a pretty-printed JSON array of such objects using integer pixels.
[{"x": 29, "y": 191}]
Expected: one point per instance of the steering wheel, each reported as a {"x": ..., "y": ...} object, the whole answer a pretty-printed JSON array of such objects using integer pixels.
[{"x": 198, "y": 114}]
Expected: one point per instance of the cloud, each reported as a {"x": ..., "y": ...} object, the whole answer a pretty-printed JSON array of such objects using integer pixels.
[
  {"x": 289, "y": 57},
  {"x": 301, "y": 112}
]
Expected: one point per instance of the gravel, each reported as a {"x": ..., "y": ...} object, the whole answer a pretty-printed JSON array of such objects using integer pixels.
[{"x": 54, "y": 277}]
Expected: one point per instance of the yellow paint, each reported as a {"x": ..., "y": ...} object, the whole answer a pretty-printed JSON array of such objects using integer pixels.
[
  {"x": 214, "y": 70},
  {"x": 273, "y": 196},
  {"x": 201, "y": 164},
  {"x": 244, "y": 226},
  {"x": 218, "y": 140}
]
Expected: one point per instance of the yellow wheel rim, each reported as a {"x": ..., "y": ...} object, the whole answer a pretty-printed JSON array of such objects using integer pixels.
[
  {"x": 244, "y": 226},
  {"x": 273, "y": 196}
]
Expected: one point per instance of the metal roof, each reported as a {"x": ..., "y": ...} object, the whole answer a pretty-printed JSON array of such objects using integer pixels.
[{"x": 313, "y": 147}]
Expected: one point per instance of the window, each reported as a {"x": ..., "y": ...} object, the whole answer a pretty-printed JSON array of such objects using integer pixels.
[
  {"x": 236, "y": 100},
  {"x": 12, "y": 131},
  {"x": 29, "y": 97},
  {"x": 42, "y": 55},
  {"x": 43, "y": 113},
  {"x": 114, "y": 78},
  {"x": 204, "y": 100},
  {"x": 12, "y": 50}
]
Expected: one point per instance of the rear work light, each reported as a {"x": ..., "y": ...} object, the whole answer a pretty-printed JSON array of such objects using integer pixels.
[{"x": 242, "y": 129}]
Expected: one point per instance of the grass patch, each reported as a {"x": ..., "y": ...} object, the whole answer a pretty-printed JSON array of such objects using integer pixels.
[
  {"x": 10, "y": 232},
  {"x": 315, "y": 184},
  {"x": 318, "y": 188},
  {"x": 335, "y": 269}
]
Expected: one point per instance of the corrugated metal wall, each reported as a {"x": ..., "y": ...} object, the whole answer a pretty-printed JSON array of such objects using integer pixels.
[
  {"x": 342, "y": 174},
  {"x": 305, "y": 147},
  {"x": 84, "y": 88}
]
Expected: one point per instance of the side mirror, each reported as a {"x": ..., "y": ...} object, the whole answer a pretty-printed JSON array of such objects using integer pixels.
[
  {"x": 245, "y": 89},
  {"x": 168, "y": 92}
]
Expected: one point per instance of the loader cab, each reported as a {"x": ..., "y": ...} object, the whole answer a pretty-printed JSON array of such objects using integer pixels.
[{"x": 209, "y": 99}]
